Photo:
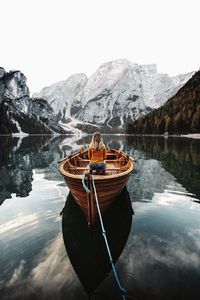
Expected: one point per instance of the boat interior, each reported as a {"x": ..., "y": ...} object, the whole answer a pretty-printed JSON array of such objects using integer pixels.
[{"x": 116, "y": 162}]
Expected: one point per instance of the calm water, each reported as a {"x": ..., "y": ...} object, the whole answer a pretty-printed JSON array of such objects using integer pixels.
[{"x": 157, "y": 254}]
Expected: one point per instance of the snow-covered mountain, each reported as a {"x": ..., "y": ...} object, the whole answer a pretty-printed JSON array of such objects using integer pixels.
[
  {"x": 62, "y": 94},
  {"x": 117, "y": 93},
  {"x": 19, "y": 114}
]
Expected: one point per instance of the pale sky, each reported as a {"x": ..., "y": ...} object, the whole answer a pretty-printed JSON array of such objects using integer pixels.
[{"x": 49, "y": 40}]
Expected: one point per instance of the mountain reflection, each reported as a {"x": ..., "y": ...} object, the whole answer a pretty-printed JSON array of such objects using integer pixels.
[
  {"x": 18, "y": 158},
  {"x": 178, "y": 156},
  {"x": 158, "y": 159},
  {"x": 85, "y": 246}
]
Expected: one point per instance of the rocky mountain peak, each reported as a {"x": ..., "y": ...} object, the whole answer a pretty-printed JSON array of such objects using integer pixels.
[
  {"x": 13, "y": 88},
  {"x": 2, "y": 72},
  {"x": 18, "y": 114},
  {"x": 118, "y": 93},
  {"x": 62, "y": 94}
]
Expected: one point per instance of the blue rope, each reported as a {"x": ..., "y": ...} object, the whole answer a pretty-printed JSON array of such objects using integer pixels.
[
  {"x": 122, "y": 290},
  {"x": 84, "y": 185}
]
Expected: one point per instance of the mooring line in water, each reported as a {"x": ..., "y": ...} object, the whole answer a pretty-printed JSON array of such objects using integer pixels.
[{"x": 122, "y": 290}]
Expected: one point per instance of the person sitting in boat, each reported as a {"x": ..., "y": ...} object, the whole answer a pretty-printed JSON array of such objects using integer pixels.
[{"x": 97, "y": 154}]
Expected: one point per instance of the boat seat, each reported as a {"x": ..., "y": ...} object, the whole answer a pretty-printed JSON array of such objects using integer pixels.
[
  {"x": 82, "y": 170},
  {"x": 85, "y": 168},
  {"x": 97, "y": 172}
]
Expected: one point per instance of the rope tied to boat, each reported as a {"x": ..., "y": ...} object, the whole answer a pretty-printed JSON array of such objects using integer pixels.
[{"x": 121, "y": 289}]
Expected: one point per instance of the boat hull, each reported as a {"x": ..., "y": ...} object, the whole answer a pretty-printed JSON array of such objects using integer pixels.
[
  {"x": 107, "y": 192},
  {"x": 108, "y": 186}
]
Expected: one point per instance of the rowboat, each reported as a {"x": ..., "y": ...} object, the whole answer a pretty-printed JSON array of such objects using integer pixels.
[
  {"x": 74, "y": 168},
  {"x": 85, "y": 246}
]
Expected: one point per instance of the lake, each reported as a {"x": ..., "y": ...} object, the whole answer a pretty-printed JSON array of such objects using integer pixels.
[{"x": 157, "y": 249}]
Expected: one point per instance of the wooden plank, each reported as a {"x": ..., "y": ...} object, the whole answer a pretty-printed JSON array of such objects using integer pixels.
[{"x": 108, "y": 186}]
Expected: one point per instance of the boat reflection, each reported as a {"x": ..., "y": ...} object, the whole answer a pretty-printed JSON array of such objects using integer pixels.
[{"x": 85, "y": 246}]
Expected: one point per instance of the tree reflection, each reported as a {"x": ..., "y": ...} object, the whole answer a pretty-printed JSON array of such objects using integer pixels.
[
  {"x": 18, "y": 158},
  {"x": 179, "y": 156}
]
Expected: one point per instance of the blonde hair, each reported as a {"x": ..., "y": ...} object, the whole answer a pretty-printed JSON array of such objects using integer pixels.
[{"x": 97, "y": 141}]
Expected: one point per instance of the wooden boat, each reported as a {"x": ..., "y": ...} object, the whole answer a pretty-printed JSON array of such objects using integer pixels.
[
  {"x": 118, "y": 169},
  {"x": 85, "y": 246}
]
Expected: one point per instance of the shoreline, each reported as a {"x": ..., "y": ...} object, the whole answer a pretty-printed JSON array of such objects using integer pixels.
[{"x": 189, "y": 135}]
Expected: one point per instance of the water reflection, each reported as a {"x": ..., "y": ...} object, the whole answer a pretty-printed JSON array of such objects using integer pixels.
[
  {"x": 18, "y": 158},
  {"x": 161, "y": 257},
  {"x": 163, "y": 252},
  {"x": 31, "y": 245},
  {"x": 180, "y": 157},
  {"x": 85, "y": 246}
]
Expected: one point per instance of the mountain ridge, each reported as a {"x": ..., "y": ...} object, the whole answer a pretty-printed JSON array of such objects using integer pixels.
[
  {"x": 179, "y": 115},
  {"x": 118, "y": 93}
]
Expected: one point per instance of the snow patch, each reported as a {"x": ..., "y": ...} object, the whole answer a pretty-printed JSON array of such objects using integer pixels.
[{"x": 20, "y": 132}]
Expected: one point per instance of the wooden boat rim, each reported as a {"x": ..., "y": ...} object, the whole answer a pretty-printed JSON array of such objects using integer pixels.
[{"x": 97, "y": 177}]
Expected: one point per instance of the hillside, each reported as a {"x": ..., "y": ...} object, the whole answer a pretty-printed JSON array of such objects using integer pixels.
[
  {"x": 19, "y": 114},
  {"x": 179, "y": 115}
]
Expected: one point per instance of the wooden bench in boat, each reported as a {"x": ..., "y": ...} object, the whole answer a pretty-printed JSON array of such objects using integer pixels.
[{"x": 76, "y": 169}]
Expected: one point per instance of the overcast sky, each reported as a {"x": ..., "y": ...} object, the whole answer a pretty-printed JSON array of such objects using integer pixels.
[{"x": 50, "y": 40}]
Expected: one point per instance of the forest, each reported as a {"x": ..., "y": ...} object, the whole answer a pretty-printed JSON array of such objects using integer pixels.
[{"x": 179, "y": 115}]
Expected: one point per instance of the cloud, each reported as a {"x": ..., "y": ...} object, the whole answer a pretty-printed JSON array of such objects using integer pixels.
[
  {"x": 51, "y": 273},
  {"x": 52, "y": 268},
  {"x": 20, "y": 221},
  {"x": 17, "y": 274},
  {"x": 155, "y": 255}
]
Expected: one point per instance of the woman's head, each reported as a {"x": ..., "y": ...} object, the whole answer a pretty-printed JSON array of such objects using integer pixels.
[{"x": 97, "y": 141}]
